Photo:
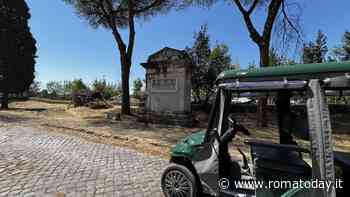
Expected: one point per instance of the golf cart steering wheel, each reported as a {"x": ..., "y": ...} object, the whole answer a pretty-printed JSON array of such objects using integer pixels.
[
  {"x": 237, "y": 126},
  {"x": 232, "y": 130}
]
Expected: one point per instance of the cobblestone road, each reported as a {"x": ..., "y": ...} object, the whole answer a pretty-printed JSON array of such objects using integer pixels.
[{"x": 39, "y": 163}]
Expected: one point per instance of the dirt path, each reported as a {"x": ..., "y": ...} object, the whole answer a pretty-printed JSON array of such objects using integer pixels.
[{"x": 92, "y": 125}]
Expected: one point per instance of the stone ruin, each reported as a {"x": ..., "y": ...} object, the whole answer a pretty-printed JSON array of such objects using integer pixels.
[{"x": 168, "y": 88}]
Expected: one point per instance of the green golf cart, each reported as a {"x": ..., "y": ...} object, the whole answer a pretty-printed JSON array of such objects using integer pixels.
[{"x": 201, "y": 163}]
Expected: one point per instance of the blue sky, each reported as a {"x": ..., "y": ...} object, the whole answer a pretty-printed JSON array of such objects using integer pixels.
[{"x": 69, "y": 48}]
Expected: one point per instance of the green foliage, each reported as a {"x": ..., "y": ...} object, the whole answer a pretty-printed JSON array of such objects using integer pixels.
[
  {"x": 137, "y": 88},
  {"x": 342, "y": 53},
  {"x": 44, "y": 93},
  {"x": 79, "y": 86},
  {"x": 108, "y": 90},
  {"x": 204, "y": 3},
  {"x": 207, "y": 64},
  {"x": 315, "y": 52},
  {"x": 346, "y": 46},
  {"x": 65, "y": 89},
  {"x": 96, "y": 12},
  {"x": 219, "y": 61},
  {"x": 112, "y": 90},
  {"x": 99, "y": 85},
  {"x": 119, "y": 89},
  {"x": 34, "y": 89},
  {"x": 252, "y": 65},
  {"x": 276, "y": 59},
  {"x": 17, "y": 57},
  {"x": 200, "y": 55},
  {"x": 54, "y": 88},
  {"x": 116, "y": 14}
]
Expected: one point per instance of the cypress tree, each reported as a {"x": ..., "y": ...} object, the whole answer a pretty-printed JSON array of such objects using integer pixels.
[{"x": 17, "y": 49}]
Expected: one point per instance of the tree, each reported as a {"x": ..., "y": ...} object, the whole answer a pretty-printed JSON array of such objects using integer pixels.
[
  {"x": 308, "y": 53},
  {"x": 34, "y": 89},
  {"x": 208, "y": 64},
  {"x": 44, "y": 93},
  {"x": 117, "y": 14},
  {"x": 137, "y": 88},
  {"x": 17, "y": 49},
  {"x": 79, "y": 86},
  {"x": 321, "y": 48},
  {"x": 276, "y": 13},
  {"x": 342, "y": 53},
  {"x": 67, "y": 88},
  {"x": 346, "y": 46},
  {"x": 276, "y": 59},
  {"x": 59, "y": 88},
  {"x": 200, "y": 55},
  {"x": 107, "y": 90},
  {"x": 252, "y": 65},
  {"x": 219, "y": 60},
  {"x": 278, "y": 18},
  {"x": 119, "y": 89},
  {"x": 54, "y": 88},
  {"x": 263, "y": 39},
  {"x": 111, "y": 90},
  {"x": 99, "y": 85},
  {"x": 315, "y": 52}
]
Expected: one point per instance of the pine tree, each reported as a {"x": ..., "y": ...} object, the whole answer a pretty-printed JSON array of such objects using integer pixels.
[
  {"x": 208, "y": 64},
  {"x": 307, "y": 53},
  {"x": 315, "y": 52},
  {"x": 276, "y": 59},
  {"x": 200, "y": 54},
  {"x": 342, "y": 53},
  {"x": 346, "y": 46},
  {"x": 137, "y": 88},
  {"x": 320, "y": 48}
]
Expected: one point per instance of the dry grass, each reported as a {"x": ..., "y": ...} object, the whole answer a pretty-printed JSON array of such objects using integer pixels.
[{"x": 156, "y": 140}]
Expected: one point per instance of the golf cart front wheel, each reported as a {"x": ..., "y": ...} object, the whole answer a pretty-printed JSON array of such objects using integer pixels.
[{"x": 178, "y": 181}]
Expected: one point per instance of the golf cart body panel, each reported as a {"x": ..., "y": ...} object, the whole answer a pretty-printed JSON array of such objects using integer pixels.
[
  {"x": 292, "y": 72},
  {"x": 207, "y": 150},
  {"x": 202, "y": 158},
  {"x": 186, "y": 148}
]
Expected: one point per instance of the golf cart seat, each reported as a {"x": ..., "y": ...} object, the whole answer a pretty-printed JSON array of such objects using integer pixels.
[{"x": 278, "y": 161}]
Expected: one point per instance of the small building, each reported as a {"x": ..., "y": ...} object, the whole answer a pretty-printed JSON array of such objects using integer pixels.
[{"x": 168, "y": 87}]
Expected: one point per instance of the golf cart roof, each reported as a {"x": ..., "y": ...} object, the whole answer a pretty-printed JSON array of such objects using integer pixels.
[{"x": 298, "y": 72}]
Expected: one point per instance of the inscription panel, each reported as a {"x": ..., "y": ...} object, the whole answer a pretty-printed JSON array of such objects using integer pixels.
[{"x": 164, "y": 85}]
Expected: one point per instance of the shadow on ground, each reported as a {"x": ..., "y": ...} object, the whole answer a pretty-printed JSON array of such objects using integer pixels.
[
  {"x": 12, "y": 119},
  {"x": 26, "y": 109}
]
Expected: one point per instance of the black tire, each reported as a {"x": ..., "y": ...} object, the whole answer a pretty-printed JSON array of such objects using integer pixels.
[{"x": 186, "y": 182}]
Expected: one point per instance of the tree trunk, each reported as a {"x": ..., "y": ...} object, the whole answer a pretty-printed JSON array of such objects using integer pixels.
[
  {"x": 126, "y": 64},
  {"x": 207, "y": 97},
  {"x": 5, "y": 101},
  {"x": 284, "y": 117},
  {"x": 196, "y": 95},
  {"x": 262, "y": 102}
]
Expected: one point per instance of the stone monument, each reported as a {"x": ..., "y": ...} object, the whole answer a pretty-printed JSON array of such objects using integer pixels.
[{"x": 168, "y": 88}]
